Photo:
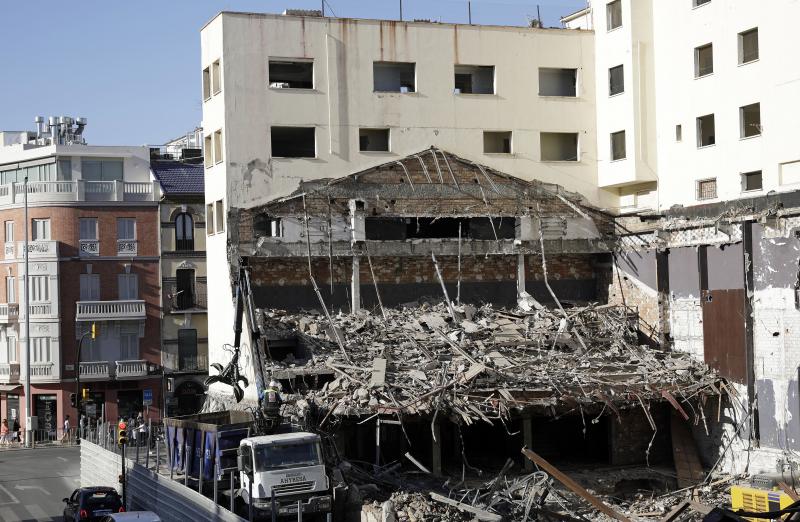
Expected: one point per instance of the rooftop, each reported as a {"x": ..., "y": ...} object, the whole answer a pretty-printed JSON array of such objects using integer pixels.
[{"x": 177, "y": 177}]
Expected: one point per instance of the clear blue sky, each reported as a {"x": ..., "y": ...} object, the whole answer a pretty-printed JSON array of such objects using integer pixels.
[{"x": 132, "y": 67}]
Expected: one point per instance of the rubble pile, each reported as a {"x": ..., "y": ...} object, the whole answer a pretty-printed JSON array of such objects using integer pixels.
[{"x": 482, "y": 363}]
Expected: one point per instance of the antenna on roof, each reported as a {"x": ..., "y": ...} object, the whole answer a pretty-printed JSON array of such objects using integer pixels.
[
  {"x": 323, "y": 7},
  {"x": 401, "y": 10},
  {"x": 469, "y": 11}
]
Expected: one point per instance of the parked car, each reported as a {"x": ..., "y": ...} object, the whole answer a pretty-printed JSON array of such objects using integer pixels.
[
  {"x": 132, "y": 516},
  {"x": 92, "y": 504}
]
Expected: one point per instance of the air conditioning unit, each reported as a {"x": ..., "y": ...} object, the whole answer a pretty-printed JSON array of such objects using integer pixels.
[{"x": 279, "y": 85}]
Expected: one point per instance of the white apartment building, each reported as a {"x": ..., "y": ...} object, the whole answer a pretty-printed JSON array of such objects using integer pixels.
[{"x": 697, "y": 100}]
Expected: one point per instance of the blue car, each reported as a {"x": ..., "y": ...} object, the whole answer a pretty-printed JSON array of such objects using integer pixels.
[{"x": 88, "y": 504}]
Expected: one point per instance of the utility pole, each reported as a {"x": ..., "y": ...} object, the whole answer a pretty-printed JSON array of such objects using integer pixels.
[
  {"x": 28, "y": 399},
  {"x": 469, "y": 11},
  {"x": 401, "y": 10},
  {"x": 323, "y": 8}
]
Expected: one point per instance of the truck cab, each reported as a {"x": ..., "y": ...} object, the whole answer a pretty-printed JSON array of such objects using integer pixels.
[{"x": 284, "y": 472}]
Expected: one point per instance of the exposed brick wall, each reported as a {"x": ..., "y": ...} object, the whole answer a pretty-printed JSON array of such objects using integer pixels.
[
  {"x": 625, "y": 290},
  {"x": 410, "y": 270},
  {"x": 630, "y": 436}
]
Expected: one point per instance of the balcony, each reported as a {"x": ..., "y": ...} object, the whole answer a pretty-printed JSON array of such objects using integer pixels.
[
  {"x": 131, "y": 369},
  {"x": 38, "y": 249},
  {"x": 127, "y": 247},
  {"x": 110, "y": 310},
  {"x": 9, "y": 312},
  {"x": 95, "y": 370},
  {"x": 9, "y": 372},
  {"x": 181, "y": 300},
  {"x": 58, "y": 191},
  {"x": 192, "y": 363},
  {"x": 42, "y": 370},
  {"x": 89, "y": 247}
]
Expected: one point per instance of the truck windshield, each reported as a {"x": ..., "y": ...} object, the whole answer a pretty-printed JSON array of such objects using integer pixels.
[{"x": 280, "y": 456}]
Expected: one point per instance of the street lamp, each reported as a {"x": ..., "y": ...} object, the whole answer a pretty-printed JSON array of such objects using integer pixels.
[
  {"x": 78, "y": 395},
  {"x": 28, "y": 400}
]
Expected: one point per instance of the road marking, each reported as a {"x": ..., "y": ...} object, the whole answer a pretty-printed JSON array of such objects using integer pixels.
[
  {"x": 24, "y": 488},
  {"x": 7, "y": 514},
  {"x": 6, "y": 494},
  {"x": 36, "y": 512},
  {"x": 62, "y": 458}
]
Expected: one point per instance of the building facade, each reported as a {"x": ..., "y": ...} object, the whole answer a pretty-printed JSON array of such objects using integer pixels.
[
  {"x": 184, "y": 321},
  {"x": 93, "y": 250}
]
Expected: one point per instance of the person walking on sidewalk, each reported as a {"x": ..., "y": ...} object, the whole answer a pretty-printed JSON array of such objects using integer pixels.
[
  {"x": 4, "y": 437},
  {"x": 65, "y": 437},
  {"x": 15, "y": 427}
]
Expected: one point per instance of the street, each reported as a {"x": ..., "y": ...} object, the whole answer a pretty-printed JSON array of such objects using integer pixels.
[{"x": 33, "y": 482}]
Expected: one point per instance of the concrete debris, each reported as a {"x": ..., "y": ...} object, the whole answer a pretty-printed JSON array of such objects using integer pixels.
[{"x": 420, "y": 361}]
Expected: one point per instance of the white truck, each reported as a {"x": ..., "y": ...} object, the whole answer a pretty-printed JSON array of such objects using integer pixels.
[{"x": 284, "y": 473}]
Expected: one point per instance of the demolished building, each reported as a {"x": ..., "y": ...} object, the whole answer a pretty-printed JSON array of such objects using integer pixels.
[{"x": 419, "y": 308}]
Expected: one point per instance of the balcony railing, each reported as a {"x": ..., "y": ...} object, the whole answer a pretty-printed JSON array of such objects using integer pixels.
[
  {"x": 38, "y": 249},
  {"x": 54, "y": 191},
  {"x": 95, "y": 370},
  {"x": 127, "y": 247},
  {"x": 181, "y": 299},
  {"x": 89, "y": 247},
  {"x": 9, "y": 372},
  {"x": 110, "y": 310},
  {"x": 131, "y": 369},
  {"x": 9, "y": 312},
  {"x": 41, "y": 370},
  {"x": 192, "y": 363}
]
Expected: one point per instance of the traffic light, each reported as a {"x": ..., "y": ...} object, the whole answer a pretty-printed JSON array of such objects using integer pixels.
[
  {"x": 123, "y": 435},
  {"x": 94, "y": 331},
  {"x": 84, "y": 393},
  {"x": 72, "y": 400}
]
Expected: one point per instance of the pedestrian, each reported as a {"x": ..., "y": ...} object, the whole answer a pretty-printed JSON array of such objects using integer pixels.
[
  {"x": 82, "y": 426},
  {"x": 65, "y": 437},
  {"x": 15, "y": 428},
  {"x": 4, "y": 439}
]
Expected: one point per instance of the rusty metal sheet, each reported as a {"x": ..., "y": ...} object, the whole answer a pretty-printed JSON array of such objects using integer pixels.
[{"x": 724, "y": 332}]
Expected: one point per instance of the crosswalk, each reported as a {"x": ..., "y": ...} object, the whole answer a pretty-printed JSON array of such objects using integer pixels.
[{"x": 25, "y": 512}]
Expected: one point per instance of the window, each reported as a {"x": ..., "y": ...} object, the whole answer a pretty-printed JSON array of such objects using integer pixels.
[
  {"x": 698, "y": 3},
  {"x": 678, "y": 132},
  {"x": 40, "y": 288},
  {"x": 12, "y": 349},
  {"x": 293, "y": 142},
  {"x": 750, "y": 181},
  {"x": 264, "y": 225},
  {"x": 394, "y": 77},
  {"x": 128, "y": 342},
  {"x": 373, "y": 140},
  {"x": 90, "y": 287},
  {"x": 558, "y": 82},
  {"x": 187, "y": 349},
  {"x": 65, "y": 169},
  {"x": 40, "y": 349},
  {"x": 496, "y": 142},
  {"x": 220, "y": 212},
  {"x": 559, "y": 146},
  {"x": 184, "y": 232},
  {"x": 616, "y": 80},
  {"x": 208, "y": 159},
  {"x": 703, "y": 60},
  {"x": 707, "y": 189},
  {"x": 209, "y": 219},
  {"x": 128, "y": 285},
  {"x": 614, "y": 14},
  {"x": 216, "y": 80},
  {"x": 126, "y": 229},
  {"x": 748, "y": 46},
  {"x": 206, "y": 83},
  {"x": 9, "y": 231},
  {"x": 184, "y": 293},
  {"x": 218, "y": 146},
  {"x": 750, "y": 120},
  {"x": 291, "y": 74},
  {"x": 40, "y": 229},
  {"x": 474, "y": 79},
  {"x": 617, "y": 145},
  {"x": 101, "y": 170},
  {"x": 11, "y": 289},
  {"x": 705, "y": 130},
  {"x": 88, "y": 228}
]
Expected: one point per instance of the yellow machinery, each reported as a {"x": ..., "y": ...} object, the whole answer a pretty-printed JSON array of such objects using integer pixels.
[{"x": 758, "y": 500}]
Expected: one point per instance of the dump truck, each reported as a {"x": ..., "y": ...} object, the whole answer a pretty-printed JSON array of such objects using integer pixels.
[{"x": 282, "y": 472}]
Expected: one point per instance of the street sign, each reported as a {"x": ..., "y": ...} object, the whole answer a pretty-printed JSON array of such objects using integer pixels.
[{"x": 147, "y": 397}]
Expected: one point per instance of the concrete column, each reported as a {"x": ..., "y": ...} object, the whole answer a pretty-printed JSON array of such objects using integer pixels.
[
  {"x": 527, "y": 436},
  {"x": 436, "y": 449},
  {"x": 355, "y": 286},
  {"x": 520, "y": 273}
]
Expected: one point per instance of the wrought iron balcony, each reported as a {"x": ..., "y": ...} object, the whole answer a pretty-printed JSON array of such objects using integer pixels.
[
  {"x": 89, "y": 247},
  {"x": 127, "y": 247},
  {"x": 182, "y": 299},
  {"x": 110, "y": 310},
  {"x": 192, "y": 363}
]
